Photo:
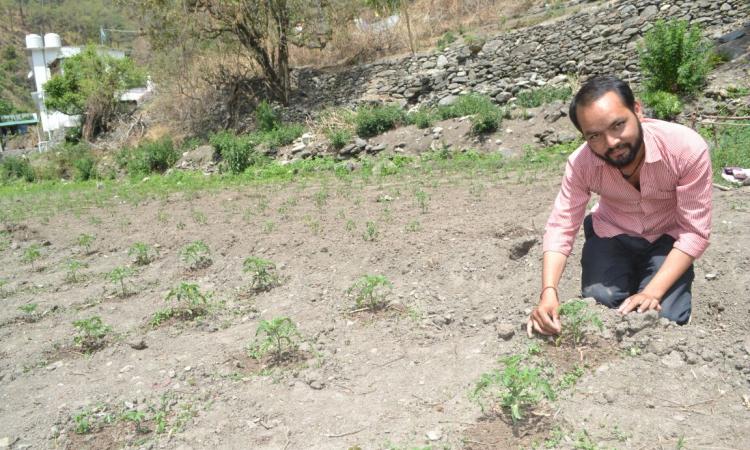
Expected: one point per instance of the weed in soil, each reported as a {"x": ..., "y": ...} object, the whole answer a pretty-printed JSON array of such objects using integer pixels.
[
  {"x": 84, "y": 242},
  {"x": 118, "y": 276},
  {"x": 371, "y": 232},
  {"x": 31, "y": 255},
  {"x": 577, "y": 318},
  {"x": 73, "y": 270}
]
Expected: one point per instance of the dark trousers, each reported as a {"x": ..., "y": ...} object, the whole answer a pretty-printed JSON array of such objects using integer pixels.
[{"x": 616, "y": 268}]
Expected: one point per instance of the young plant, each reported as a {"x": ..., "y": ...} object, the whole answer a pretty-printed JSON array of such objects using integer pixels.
[
  {"x": 91, "y": 334},
  {"x": 576, "y": 319},
  {"x": 31, "y": 254},
  {"x": 196, "y": 255},
  {"x": 137, "y": 417},
  {"x": 29, "y": 310},
  {"x": 85, "y": 241},
  {"x": 370, "y": 292},
  {"x": 422, "y": 199},
  {"x": 279, "y": 337},
  {"x": 191, "y": 302},
  {"x": 118, "y": 276},
  {"x": 371, "y": 231},
  {"x": 515, "y": 389},
  {"x": 74, "y": 266},
  {"x": 142, "y": 253},
  {"x": 3, "y": 292},
  {"x": 261, "y": 271},
  {"x": 83, "y": 422}
]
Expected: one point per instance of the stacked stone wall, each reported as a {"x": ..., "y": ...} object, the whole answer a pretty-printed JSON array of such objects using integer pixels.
[{"x": 599, "y": 39}]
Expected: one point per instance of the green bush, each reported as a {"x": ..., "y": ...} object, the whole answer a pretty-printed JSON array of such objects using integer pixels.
[
  {"x": 149, "y": 157},
  {"x": 537, "y": 97},
  {"x": 235, "y": 151},
  {"x": 675, "y": 58},
  {"x": 13, "y": 167},
  {"x": 339, "y": 137},
  {"x": 280, "y": 136},
  {"x": 372, "y": 121},
  {"x": 486, "y": 116},
  {"x": 266, "y": 118},
  {"x": 665, "y": 105},
  {"x": 445, "y": 40},
  {"x": 422, "y": 118}
]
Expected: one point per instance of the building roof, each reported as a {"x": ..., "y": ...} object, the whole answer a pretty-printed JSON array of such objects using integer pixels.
[{"x": 12, "y": 120}]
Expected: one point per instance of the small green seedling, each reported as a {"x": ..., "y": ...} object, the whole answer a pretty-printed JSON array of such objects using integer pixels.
[
  {"x": 196, "y": 255},
  {"x": 142, "y": 253},
  {"x": 118, "y": 276},
  {"x": 3, "y": 292},
  {"x": 137, "y": 417},
  {"x": 74, "y": 267},
  {"x": 29, "y": 309},
  {"x": 279, "y": 337},
  {"x": 515, "y": 389},
  {"x": 422, "y": 199},
  {"x": 321, "y": 198},
  {"x": 576, "y": 318},
  {"x": 189, "y": 296},
  {"x": 262, "y": 276},
  {"x": 83, "y": 422},
  {"x": 413, "y": 226},
  {"x": 371, "y": 231},
  {"x": 570, "y": 378},
  {"x": 84, "y": 241},
  {"x": 91, "y": 334},
  {"x": 370, "y": 292},
  {"x": 31, "y": 254}
]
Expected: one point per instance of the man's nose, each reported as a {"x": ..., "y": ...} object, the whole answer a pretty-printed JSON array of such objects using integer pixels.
[{"x": 613, "y": 140}]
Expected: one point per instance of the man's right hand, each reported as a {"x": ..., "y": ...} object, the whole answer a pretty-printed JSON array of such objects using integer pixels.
[{"x": 545, "y": 318}]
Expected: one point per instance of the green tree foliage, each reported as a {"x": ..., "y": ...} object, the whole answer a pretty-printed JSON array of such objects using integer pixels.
[
  {"x": 90, "y": 85},
  {"x": 675, "y": 58}
]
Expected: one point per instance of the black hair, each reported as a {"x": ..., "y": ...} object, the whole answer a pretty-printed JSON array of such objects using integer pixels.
[{"x": 594, "y": 89}]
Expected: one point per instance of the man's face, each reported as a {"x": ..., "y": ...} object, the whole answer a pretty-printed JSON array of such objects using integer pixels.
[{"x": 612, "y": 131}]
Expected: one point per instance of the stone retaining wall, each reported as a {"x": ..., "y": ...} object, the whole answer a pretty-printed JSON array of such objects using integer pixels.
[{"x": 600, "y": 39}]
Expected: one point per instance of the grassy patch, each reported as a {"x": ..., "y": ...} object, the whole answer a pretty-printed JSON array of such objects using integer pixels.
[
  {"x": 537, "y": 97},
  {"x": 731, "y": 143}
]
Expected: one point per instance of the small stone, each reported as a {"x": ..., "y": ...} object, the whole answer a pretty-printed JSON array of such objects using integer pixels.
[
  {"x": 437, "y": 130},
  {"x": 126, "y": 369},
  {"x": 521, "y": 247},
  {"x": 172, "y": 374},
  {"x": 711, "y": 276},
  {"x": 489, "y": 318},
  {"x": 5, "y": 442},
  {"x": 505, "y": 331},
  {"x": 610, "y": 397},
  {"x": 317, "y": 385},
  {"x": 138, "y": 344},
  {"x": 434, "y": 435}
]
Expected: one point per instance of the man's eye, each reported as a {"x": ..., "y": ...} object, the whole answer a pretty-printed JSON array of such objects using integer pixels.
[
  {"x": 618, "y": 125},
  {"x": 593, "y": 137}
]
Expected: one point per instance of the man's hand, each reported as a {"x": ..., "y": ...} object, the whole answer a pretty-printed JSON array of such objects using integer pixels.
[
  {"x": 545, "y": 319},
  {"x": 641, "y": 302}
]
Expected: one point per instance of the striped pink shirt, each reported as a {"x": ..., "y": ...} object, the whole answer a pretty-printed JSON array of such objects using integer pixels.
[{"x": 675, "y": 195}]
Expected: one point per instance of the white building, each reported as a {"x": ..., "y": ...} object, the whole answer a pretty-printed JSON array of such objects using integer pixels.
[{"x": 45, "y": 58}]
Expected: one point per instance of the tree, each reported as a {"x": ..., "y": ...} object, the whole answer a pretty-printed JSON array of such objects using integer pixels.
[
  {"x": 264, "y": 28},
  {"x": 90, "y": 84},
  {"x": 390, "y": 6}
]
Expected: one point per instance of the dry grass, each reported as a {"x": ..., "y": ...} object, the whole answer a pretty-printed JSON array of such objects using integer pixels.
[{"x": 429, "y": 20}]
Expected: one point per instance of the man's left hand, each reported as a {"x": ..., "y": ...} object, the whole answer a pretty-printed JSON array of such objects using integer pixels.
[{"x": 640, "y": 302}]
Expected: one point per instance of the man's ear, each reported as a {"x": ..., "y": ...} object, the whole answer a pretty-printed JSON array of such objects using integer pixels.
[{"x": 638, "y": 110}]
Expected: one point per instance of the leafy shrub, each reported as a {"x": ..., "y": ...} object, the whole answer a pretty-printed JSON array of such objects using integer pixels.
[
  {"x": 91, "y": 334},
  {"x": 486, "y": 116},
  {"x": 261, "y": 273},
  {"x": 372, "y": 121},
  {"x": 675, "y": 58},
  {"x": 266, "y": 118},
  {"x": 235, "y": 151},
  {"x": 371, "y": 292},
  {"x": 537, "y": 97},
  {"x": 515, "y": 389},
  {"x": 664, "y": 104},
  {"x": 422, "y": 118},
  {"x": 445, "y": 40},
  {"x": 118, "y": 276},
  {"x": 13, "y": 167},
  {"x": 339, "y": 137},
  {"x": 189, "y": 296},
  {"x": 149, "y": 157},
  {"x": 280, "y": 338},
  {"x": 281, "y": 135},
  {"x": 576, "y": 317}
]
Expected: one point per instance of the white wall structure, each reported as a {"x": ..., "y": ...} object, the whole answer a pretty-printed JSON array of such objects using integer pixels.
[{"x": 43, "y": 53}]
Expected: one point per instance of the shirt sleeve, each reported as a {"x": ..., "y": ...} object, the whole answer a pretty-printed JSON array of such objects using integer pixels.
[
  {"x": 568, "y": 211},
  {"x": 694, "y": 207}
]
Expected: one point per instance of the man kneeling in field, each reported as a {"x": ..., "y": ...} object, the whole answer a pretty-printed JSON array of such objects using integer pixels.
[{"x": 653, "y": 218}]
